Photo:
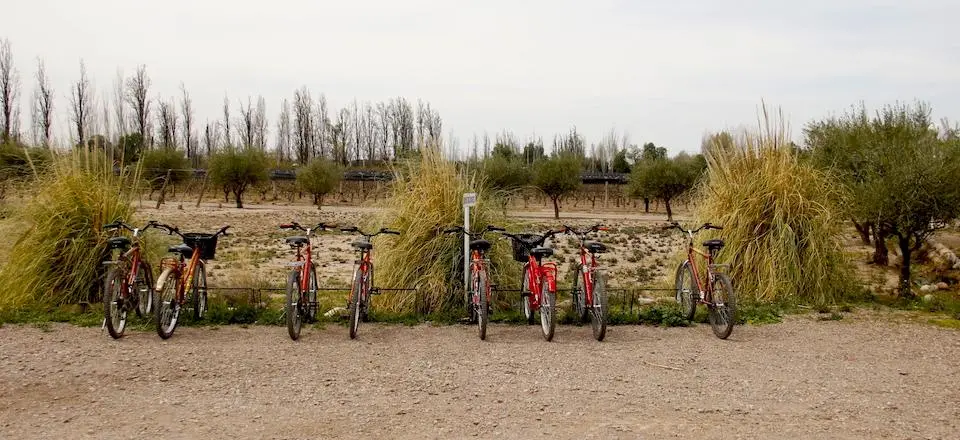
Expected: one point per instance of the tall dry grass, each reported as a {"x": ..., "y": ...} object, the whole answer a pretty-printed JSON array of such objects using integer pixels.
[
  {"x": 58, "y": 259},
  {"x": 781, "y": 217},
  {"x": 427, "y": 196}
]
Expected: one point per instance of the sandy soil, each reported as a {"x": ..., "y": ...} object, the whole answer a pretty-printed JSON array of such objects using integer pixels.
[{"x": 862, "y": 377}]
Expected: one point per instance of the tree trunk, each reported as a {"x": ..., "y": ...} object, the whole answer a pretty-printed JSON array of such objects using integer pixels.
[
  {"x": 666, "y": 203},
  {"x": 881, "y": 256},
  {"x": 646, "y": 205},
  {"x": 239, "y": 195},
  {"x": 905, "y": 250},
  {"x": 864, "y": 231},
  {"x": 556, "y": 207}
]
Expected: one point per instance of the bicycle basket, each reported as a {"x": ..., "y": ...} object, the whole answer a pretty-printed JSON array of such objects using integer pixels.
[
  {"x": 206, "y": 242},
  {"x": 521, "y": 251}
]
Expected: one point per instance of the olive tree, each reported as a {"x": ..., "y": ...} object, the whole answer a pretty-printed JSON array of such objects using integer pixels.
[
  {"x": 666, "y": 179},
  {"x": 236, "y": 169},
  {"x": 558, "y": 177},
  {"x": 319, "y": 177}
]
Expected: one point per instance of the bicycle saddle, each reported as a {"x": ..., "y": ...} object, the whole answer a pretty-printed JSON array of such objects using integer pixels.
[
  {"x": 595, "y": 247},
  {"x": 118, "y": 242},
  {"x": 480, "y": 245},
  {"x": 713, "y": 244},
  {"x": 181, "y": 249},
  {"x": 362, "y": 245},
  {"x": 298, "y": 241},
  {"x": 541, "y": 252}
]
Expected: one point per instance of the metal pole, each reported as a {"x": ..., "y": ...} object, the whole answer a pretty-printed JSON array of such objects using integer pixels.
[{"x": 466, "y": 254}]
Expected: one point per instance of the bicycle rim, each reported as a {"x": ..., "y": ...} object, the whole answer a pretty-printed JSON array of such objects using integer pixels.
[
  {"x": 294, "y": 318},
  {"x": 114, "y": 310},
  {"x": 548, "y": 317},
  {"x": 598, "y": 310},
  {"x": 168, "y": 310},
  {"x": 481, "y": 290},
  {"x": 355, "y": 297},
  {"x": 723, "y": 306}
]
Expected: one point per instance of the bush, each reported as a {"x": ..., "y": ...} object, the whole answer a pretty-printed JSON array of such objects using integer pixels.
[
  {"x": 427, "y": 197},
  {"x": 780, "y": 220},
  {"x": 58, "y": 259},
  {"x": 319, "y": 177},
  {"x": 235, "y": 170},
  {"x": 558, "y": 177}
]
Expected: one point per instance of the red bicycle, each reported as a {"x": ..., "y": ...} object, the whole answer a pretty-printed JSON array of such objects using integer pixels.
[
  {"x": 362, "y": 288},
  {"x": 716, "y": 291},
  {"x": 302, "y": 281},
  {"x": 589, "y": 296},
  {"x": 129, "y": 281},
  {"x": 538, "y": 292},
  {"x": 479, "y": 289}
]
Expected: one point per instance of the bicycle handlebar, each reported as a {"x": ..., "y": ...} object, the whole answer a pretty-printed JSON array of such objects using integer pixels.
[
  {"x": 319, "y": 227},
  {"x": 594, "y": 228},
  {"x": 381, "y": 231},
  {"x": 120, "y": 224},
  {"x": 675, "y": 225},
  {"x": 474, "y": 235}
]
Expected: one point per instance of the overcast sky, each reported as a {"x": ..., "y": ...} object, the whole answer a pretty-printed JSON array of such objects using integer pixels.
[{"x": 664, "y": 71}]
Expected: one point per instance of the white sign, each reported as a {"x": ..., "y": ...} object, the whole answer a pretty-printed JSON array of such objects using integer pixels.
[{"x": 469, "y": 199}]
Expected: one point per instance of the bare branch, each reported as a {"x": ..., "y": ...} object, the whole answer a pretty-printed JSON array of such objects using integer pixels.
[
  {"x": 138, "y": 89},
  {"x": 9, "y": 92},
  {"x": 43, "y": 106}
]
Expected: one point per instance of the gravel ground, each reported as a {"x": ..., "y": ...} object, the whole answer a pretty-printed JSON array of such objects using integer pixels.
[{"x": 862, "y": 377}]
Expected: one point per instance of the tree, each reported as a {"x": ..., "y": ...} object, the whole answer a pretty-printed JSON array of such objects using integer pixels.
[
  {"x": 157, "y": 164},
  {"x": 131, "y": 147},
  {"x": 119, "y": 105},
  {"x": 901, "y": 174},
  {"x": 81, "y": 105},
  {"x": 319, "y": 177},
  {"x": 43, "y": 106},
  {"x": 303, "y": 125},
  {"x": 138, "y": 89},
  {"x": 186, "y": 113},
  {"x": 620, "y": 163},
  {"x": 9, "y": 92},
  {"x": 532, "y": 152},
  {"x": 235, "y": 170},
  {"x": 283, "y": 133},
  {"x": 167, "y": 123},
  {"x": 666, "y": 179},
  {"x": 558, "y": 177},
  {"x": 227, "y": 134}
]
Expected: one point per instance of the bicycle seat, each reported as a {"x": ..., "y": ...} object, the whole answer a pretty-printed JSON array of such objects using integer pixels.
[
  {"x": 480, "y": 245},
  {"x": 298, "y": 241},
  {"x": 541, "y": 252},
  {"x": 118, "y": 242},
  {"x": 714, "y": 244},
  {"x": 181, "y": 249},
  {"x": 595, "y": 247},
  {"x": 362, "y": 245}
]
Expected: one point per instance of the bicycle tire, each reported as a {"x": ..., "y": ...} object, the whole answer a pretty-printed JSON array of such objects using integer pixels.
[
  {"x": 482, "y": 285},
  {"x": 293, "y": 306},
  {"x": 722, "y": 318},
  {"x": 578, "y": 296},
  {"x": 548, "y": 315},
  {"x": 199, "y": 291},
  {"x": 312, "y": 306},
  {"x": 685, "y": 295},
  {"x": 365, "y": 305},
  {"x": 144, "y": 289},
  {"x": 525, "y": 294},
  {"x": 168, "y": 308},
  {"x": 598, "y": 311},
  {"x": 356, "y": 291},
  {"x": 113, "y": 304}
]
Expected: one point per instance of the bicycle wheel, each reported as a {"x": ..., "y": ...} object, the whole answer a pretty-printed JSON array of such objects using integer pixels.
[
  {"x": 143, "y": 288},
  {"x": 199, "y": 291},
  {"x": 525, "y": 300},
  {"x": 311, "y": 306},
  {"x": 723, "y": 306},
  {"x": 548, "y": 316},
  {"x": 578, "y": 296},
  {"x": 598, "y": 309},
  {"x": 365, "y": 299},
  {"x": 293, "y": 309},
  {"x": 481, "y": 287},
  {"x": 356, "y": 294},
  {"x": 686, "y": 287},
  {"x": 114, "y": 308},
  {"x": 168, "y": 308}
]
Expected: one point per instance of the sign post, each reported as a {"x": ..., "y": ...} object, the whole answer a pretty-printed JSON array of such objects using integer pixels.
[{"x": 469, "y": 200}]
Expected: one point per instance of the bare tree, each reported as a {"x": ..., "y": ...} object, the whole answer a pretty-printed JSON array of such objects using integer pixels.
[
  {"x": 322, "y": 135},
  {"x": 186, "y": 112},
  {"x": 340, "y": 134},
  {"x": 357, "y": 132},
  {"x": 211, "y": 137},
  {"x": 9, "y": 92},
  {"x": 167, "y": 123},
  {"x": 403, "y": 126},
  {"x": 138, "y": 89},
  {"x": 422, "y": 120},
  {"x": 103, "y": 125},
  {"x": 227, "y": 141},
  {"x": 119, "y": 104},
  {"x": 283, "y": 133},
  {"x": 81, "y": 102},
  {"x": 43, "y": 106},
  {"x": 245, "y": 124},
  {"x": 370, "y": 128},
  {"x": 383, "y": 126},
  {"x": 303, "y": 124},
  {"x": 260, "y": 124}
]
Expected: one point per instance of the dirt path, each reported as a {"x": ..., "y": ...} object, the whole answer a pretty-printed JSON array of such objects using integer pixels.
[{"x": 856, "y": 378}]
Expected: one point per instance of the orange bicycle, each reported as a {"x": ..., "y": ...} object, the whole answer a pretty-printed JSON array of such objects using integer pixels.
[
  {"x": 129, "y": 282},
  {"x": 715, "y": 290},
  {"x": 187, "y": 268},
  {"x": 362, "y": 288}
]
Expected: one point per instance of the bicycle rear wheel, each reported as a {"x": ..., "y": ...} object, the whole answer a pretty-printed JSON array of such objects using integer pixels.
[
  {"x": 481, "y": 287},
  {"x": 548, "y": 315},
  {"x": 525, "y": 301},
  {"x": 143, "y": 288},
  {"x": 686, "y": 294},
  {"x": 294, "y": 316},
  {"x": 200, "y": 291},
  {"x": 365, "y": 304},
  {"x": 114, "y": 308},
  {"x": 598, "y": 310},
  {"x": 168, "y": 308},
  {"x": 356, "y": 297},
  {"x": 578, "y": 296},
  {"x": 311, "y": 307},
  {"x": 723, "y": 306}
]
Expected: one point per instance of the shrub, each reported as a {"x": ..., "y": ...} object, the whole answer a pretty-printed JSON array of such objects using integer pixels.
[
  {"x": 156, "y": 163},
  {"x": 779, "y": 216},
  {"x": 557, "y": 177},
  {"x": 235, "y": 170},
  {"x": 319, "y": 177}
]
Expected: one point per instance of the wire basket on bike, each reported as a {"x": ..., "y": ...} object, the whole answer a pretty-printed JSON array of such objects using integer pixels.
[
  {"x": 206, "y": 242},
  {"x": 521, "y": 252}
]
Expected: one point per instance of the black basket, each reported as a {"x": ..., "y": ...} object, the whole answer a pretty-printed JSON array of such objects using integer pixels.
[
  {"x": 206, "y": 242},
  {"x": 521, "y": 251}
]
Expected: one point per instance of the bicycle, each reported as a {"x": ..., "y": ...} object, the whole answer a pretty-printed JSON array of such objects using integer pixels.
[
  {"x": 588, "y": 294},
  {"x": 479, "y": 289},
  {"x": 362, "y": 287},
  {"x": 302, "y": 281},
  {"x": 177, "y": 274},
  {"x": 129, "y": 280},
  {"x": 538, "y": 292},
  {"x": 716, "y": 292}
]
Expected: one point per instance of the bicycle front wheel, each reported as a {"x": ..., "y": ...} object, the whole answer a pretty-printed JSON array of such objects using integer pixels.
[
  {"x": 525, "y": 296},
  {"x": 114, "y": 308},
  {"x": 294, "y": 318},
  {"x": 548, "y": 315},
  {"x": 356, "y": 306},
  {"x": 481, "y": 287},
  {"x": 200, "y": 291},
  {"x": 168, "y": 307},
  {"x": 723, "y": 306},
  {"x": 686, "y": 286},
  {"x": 144, "y": 290},
  {"x": 598, "y": 308},
  {"x": 578, "y": 296},
  {"x": 311, "y": 306}
]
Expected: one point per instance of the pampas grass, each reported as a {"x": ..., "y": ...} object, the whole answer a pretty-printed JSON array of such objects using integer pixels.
[{"x": 780, "y": 216}]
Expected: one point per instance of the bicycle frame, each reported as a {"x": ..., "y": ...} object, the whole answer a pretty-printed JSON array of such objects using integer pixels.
[
  {"x": 305, "y": 261},
  {"x": 706, "y": 291},
  {"x": 589, "y": 267},
  {"x": 364, "y": 264},
  {"x": 184, "y": 271},
  {"x": 536, "y": 273},
  {"x": 478, "y": 261}
]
